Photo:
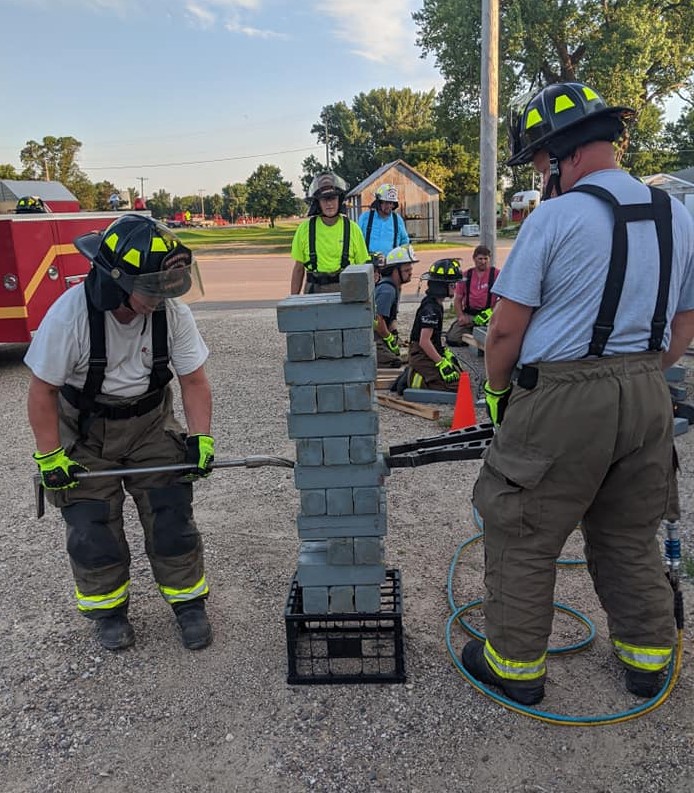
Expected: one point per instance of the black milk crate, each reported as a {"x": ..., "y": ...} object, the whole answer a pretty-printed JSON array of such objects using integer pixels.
[{"x": 346, "y": 648}]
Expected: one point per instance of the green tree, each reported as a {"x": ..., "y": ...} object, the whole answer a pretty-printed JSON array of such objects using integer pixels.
[
  {"x": 235, "y": 197},
  {"x": 269, "y": 195},
  {"x": 310, "y": 167},
  {"x": 102, "y": 190},
  {"x": 8, "y": 171},
  {"x": 54, "y": 159},
  {"x": 159, "y": 204},
  {"x": 678, "y": 140}
]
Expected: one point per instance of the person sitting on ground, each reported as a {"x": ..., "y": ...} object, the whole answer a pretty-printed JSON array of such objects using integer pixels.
[
  {"x": 382, "y": 227},
  {"x": 473, "y": 299},
  {"x": 431, "y": 365},
  {"x": 327, "y": 241},
  {"x": 395, "y": 271}
]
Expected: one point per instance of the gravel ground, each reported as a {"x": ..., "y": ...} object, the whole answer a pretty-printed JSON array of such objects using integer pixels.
[{"x": 159, "y": 718}]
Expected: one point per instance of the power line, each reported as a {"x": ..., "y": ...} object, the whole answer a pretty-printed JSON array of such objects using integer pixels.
[{"x": 196, "y": 162}]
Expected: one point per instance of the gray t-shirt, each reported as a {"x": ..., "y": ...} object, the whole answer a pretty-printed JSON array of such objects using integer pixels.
[
  {"x": 59, "y": 351},
  {"x": 559, "y": 263}
]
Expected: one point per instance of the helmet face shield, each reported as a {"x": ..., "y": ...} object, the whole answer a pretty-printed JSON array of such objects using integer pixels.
[{"x": 153, "y": 289}]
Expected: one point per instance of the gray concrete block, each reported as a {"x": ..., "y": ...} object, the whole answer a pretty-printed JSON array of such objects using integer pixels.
[
  {"x": 330, "y": 398},
  {"x": 336, "y": 450},
  {"x": 341, "y": 599},
  {"x": 359, "y": 369},
  {"x": 479, "y": 334},
  {"x": 680, "y": 426},
  {"x": 315, "y": 599},
  {"x": 357, "y": 283},
  {"x": 363, "y": 449},
  {"x": 328, "y": 343},
  {"x": 678, "y": 392},
  {"x": 368, "y": 550},
  {"x": 366, "y": 500},
  {"x": 359, "y": 396},
  {"x": 339, "y": 501},
  {"x": 429, "y": 395},
  {"x": 302, "y": 399},
  {"x": 319, "y": 527},
  {"x": 309, "y": 451},
  {"x": 367, "y": 599},
  {"x": 358, "y": 341},
  {"x": 322, "y": 312},
  {"x": 340, "y": 550},
  {"x": 675, "y": 374},
  {"x": 313, "y": 502},
  {"x": 312, "y": 572},
  {"x": 329, "y": 425},
  {"x": 300, "y": 346},
  {"x": 340, "y": 475}
]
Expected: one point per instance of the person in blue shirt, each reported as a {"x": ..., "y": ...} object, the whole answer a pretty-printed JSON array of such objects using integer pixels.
[{"x": 382, "y": 227}]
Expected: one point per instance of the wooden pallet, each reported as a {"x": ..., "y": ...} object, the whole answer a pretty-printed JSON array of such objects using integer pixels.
[
  {"x": 386, "y": 377},
  {"x": 469, "y": 339},
  {"x": 412, "y": 408}
]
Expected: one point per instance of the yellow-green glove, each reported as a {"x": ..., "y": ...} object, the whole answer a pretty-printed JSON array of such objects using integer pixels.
[
  {"x": 448, "y": 372},
  {"x": 392, "y": 344},
  {"x": 58, "y": 470},
  {"x": 483, "y": 317},
  {"x": 497, "y": 402},
  {"x": 200, "y": 453},
  {"x": 449, "y": 355}
]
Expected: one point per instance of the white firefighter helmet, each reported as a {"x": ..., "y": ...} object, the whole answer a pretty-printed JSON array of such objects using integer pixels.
[{"x": 387, "y": 192}]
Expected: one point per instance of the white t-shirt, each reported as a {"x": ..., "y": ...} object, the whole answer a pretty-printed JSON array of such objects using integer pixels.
[
  {"x": 558, "y": 265},
  {"x": 59, "y": 351}
]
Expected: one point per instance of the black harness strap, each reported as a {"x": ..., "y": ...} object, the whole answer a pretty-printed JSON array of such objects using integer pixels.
[
  {"x": 660, "y": 211},
  {"x": 369, "y": 226},
  {"x": 468, "y": 282},
  {"x": 312, "y": 264}
]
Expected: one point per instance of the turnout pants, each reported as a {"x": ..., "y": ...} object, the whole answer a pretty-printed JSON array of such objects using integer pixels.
[
  {"x": 384, "y": 357},
  {"x": 591, "y": 442},
  {"x": 93, "y": 511},
  {"x": 423, "y": 372}
]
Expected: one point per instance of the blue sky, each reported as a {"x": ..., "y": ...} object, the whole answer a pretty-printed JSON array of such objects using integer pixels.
[{"x": 145, "y": 84}]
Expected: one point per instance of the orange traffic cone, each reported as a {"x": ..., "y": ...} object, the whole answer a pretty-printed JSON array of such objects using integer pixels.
[{"x": 464, "y": 411}]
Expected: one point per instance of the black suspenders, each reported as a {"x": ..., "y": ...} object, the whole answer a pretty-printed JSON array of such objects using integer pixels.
[
  {"x": 369, "y": 226},
  {"x": 312, "y": 264},
  {"x": 659, "y": 211},
  {"x": 468, "y": 282}
]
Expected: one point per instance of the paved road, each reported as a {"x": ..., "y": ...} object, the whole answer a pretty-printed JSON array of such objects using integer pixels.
[{"x": 263, "y": 280}]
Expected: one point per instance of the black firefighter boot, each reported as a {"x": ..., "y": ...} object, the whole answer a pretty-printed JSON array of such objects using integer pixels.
[
  {"x": 196, "y": 631},
  {"x": 113, "y": 629},
  {"x": 526, "y": 693}
]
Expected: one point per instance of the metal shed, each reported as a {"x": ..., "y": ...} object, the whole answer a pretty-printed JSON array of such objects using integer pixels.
[
  {"x": 54, "y": 195},
  {"x": 418, "y": 199}
]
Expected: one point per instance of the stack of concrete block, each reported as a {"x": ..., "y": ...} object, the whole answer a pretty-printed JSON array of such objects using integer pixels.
[{"x": 330, "y": 370}]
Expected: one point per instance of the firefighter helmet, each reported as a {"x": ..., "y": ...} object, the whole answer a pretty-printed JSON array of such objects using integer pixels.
[
  {"x": 326, "y": 184},
  {"x": 140, "y": 255},
  {"x": 444, "y": 270},
  {"x": 403, "y": 254},
  {"x": 30, "y": 203},
  {"x": 559, "y": 118},
  {"x": 387, "y": 192}
]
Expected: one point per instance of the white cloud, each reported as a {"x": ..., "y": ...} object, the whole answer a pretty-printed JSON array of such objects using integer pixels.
[
  {"x": 236, "y": 27},
  {"x": 382, "y": 31},
  {"x": 203, "y": 17}
]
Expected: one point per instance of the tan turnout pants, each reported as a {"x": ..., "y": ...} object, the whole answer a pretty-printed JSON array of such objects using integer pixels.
[{"x": 591, "y": 442}]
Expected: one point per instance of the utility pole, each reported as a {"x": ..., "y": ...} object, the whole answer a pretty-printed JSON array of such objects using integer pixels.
[
  {"x": 489, "y": 123},
  {"x": 327, "y": 146},
  {"x": 45, "y": 167},
  {"x": 142, "y": 179},
  {"x": 201, "y": 193}
]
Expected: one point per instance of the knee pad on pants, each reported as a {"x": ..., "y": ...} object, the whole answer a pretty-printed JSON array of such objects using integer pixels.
[
  {"x": 90, "y": 541},
  {"x": 174, "y": 532}
]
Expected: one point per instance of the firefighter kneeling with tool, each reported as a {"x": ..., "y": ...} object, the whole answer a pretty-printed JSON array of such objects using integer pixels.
[{"x": 99, "y": 398}]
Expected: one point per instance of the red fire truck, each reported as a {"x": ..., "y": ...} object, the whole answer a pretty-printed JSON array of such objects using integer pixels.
[{"x": 38, "y": 260}]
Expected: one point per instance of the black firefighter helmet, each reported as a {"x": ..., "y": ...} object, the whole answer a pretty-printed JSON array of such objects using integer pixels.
[{"x": 137, "y": 255}]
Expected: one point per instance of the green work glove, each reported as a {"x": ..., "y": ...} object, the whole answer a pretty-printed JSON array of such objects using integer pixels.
[
  {"x": 391, "y": 343},
  {"x": 58, "y": 470},
  {"x": 200, "y": 453},
  {"x": 448, "y": 372},
  {"x": 483, "y": 317},
  {"x": 496, "y": 402},
  {"x": 449, "y": 355}
]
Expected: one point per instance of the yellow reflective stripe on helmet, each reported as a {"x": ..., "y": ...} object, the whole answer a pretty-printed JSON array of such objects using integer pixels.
[
  {"x": 111, "y": 241},
  {"x": 110, "y": 600},
  {"x": 174, "y": 595},
  {"x": 514, "y": 670},
  {"x": 563, "y": 102},
  {"x": 158, "y": 244},
  {"x": 533, "y": 118},
  {"x": 132, "y": 257},
  {"x": 647, "y": 659},
  {"x": 589, "y": 94}
]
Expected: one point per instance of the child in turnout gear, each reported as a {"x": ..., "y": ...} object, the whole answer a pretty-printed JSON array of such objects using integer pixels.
[
  {"x": 383, "y": 228},
  {"x": 100, "y": 398},
  {"x": 328, "y": 241},
  {"x": 473, "y": 299},
  {"x": 394, "y": 271},
  {"x": 431, "y": 365},
  {"x": 591, "y": 318}
]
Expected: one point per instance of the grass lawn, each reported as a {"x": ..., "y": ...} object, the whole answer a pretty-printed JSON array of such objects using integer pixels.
[{"x": 254, "y": 239}]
